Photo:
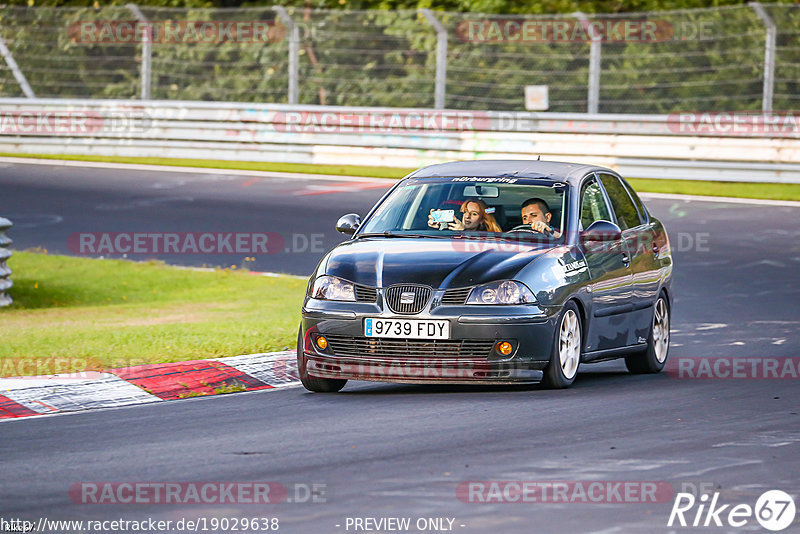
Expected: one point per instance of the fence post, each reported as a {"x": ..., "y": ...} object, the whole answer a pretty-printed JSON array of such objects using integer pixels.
[
  {"x": 5, "y": 253},
  {"x": 593, "y": 99},
  {"x": 769, "y": 56},
  {"x": 147, "y": 50},
  {"x": 441, "y": 57},
  {"x": 12, "y": 64},
  {"x": 294, "y": 51}
]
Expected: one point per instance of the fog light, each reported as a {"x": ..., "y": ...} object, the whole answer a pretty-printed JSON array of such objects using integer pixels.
[
  {"x": 321, "y": 342},
  {"x": 504, "y": 348}
]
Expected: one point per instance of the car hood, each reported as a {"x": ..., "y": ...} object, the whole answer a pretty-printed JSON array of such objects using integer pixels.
[{"x": 439, "y": 263}]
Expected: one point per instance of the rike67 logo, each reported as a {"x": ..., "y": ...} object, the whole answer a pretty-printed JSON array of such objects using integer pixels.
[{"x": 774, "y": 510}]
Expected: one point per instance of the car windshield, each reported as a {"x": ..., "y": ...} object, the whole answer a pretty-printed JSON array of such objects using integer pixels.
[{"x": 472, "y": 207}]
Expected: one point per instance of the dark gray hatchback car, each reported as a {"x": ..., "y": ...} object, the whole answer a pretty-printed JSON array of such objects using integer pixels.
[{"x": 490, "y": 272}]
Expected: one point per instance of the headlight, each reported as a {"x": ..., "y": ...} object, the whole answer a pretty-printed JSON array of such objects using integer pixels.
[
  {"x": 502, "y": 292},
  {"x": 333, "y": 288}
]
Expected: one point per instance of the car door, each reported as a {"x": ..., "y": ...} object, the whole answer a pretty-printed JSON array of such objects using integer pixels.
[
  {"x": 609, "y": 268},
  {"x": 641, "y": 238}
]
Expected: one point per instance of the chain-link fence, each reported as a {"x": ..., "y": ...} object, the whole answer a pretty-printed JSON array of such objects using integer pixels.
[{"x": 654, "y": 62}]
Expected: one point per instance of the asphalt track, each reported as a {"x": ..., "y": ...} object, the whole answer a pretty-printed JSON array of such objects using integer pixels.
[{"x": 399, "y": 450}]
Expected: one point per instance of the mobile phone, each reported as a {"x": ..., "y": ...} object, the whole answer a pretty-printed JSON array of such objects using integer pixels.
[{"x": 443, "y": 216}]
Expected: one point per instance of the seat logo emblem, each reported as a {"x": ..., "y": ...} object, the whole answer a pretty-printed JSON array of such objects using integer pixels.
[{"x": 407, "y": 297}]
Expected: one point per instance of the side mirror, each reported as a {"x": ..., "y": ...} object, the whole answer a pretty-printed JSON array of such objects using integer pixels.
[
  {"x": 348, "y": 224},
  {"x": 601, "y": 231}
]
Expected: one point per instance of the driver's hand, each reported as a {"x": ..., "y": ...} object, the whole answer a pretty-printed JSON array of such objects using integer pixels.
[{"x": 541, "y": 227}]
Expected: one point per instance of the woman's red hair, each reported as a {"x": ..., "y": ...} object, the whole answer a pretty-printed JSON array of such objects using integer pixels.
[{"x": 487, "y": 224}]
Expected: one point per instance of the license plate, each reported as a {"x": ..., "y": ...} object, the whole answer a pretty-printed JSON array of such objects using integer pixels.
[{"x": 406, "y": 328}]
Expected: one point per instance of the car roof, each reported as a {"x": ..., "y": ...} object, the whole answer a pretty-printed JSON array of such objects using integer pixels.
[{"x": 547, "y": 170}]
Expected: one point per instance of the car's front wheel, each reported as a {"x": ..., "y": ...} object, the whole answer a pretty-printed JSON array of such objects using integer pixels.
[
  {"x": 566, "y": 355},
  {"x": 654, "y": 357},
  {"x": 313, "y": 383}
]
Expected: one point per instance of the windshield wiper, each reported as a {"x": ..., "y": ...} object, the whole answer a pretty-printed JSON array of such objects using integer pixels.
[
  {"x": 386, "y": 234},
  {"x": 487, "y": 237},
  {"x": 390, "y": 234}
]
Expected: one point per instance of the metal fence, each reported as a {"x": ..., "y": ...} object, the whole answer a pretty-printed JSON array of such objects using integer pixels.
[
  {"x": 679, "y": 145},
  {"x": 726, "y": 58},
  {"x": 5, "y": 272}
]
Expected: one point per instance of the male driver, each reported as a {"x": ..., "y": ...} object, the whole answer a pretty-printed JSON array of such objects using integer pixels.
[{"x": 536, "y": 214}]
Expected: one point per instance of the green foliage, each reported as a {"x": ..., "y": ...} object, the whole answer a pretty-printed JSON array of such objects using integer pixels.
[
  {"x": 475, "y": 6},
  {"x": 709, "y": 59}
]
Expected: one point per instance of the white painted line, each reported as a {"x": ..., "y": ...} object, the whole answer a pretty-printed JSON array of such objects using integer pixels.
[
  {"x": 255, "y": 273},
  {"x": 278, "y": 275},
  {"x": 62, "y": 394},
  {"x": 192, "y": 170},
  {"x": 729, "y": 200}
]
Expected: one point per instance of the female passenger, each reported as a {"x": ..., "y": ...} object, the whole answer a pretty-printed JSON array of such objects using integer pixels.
[{"x": 475, "y": 218}]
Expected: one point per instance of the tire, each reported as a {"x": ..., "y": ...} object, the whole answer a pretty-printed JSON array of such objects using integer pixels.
[
  {"x": 565, "y": 357},
  {"x": 312, "y": 383},
  {"x": 654, "y": 357}
]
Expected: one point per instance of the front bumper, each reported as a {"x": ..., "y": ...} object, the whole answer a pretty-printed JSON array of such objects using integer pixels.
[
  {"x": 530, "y": 329},
  {"x": 411, "y": 371}
]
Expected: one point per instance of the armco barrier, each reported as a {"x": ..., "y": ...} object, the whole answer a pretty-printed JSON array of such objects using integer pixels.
[
  {"x": 5, "y": 253},
  {"x": 726, "y": 147}
]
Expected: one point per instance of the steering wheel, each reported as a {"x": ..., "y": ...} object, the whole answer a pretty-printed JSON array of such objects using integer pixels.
[
  {"x": 522, "y": 228},
  {"x": 527, "y": 228}
]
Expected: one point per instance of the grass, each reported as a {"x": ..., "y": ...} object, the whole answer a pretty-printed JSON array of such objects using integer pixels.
[
  {"x": 685, "y": 187},
  {"x": 719, "y": 189},
  {"x": 73, "y": 314},
  {"x": 342, "y": 170}
]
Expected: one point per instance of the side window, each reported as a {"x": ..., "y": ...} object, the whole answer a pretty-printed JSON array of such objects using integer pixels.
[
  {"x": 627, "y": 216},
  {"x": 639, "y": 204},
  {"x": 593, "y": 204}
]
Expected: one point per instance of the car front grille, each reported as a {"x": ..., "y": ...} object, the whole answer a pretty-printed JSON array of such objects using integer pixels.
[
  {"x": 422, "y": 294},
  {"x": 366, "y": 294},
  {"x": 348, "y": 346},
  {"x": 456, "y": 297}
]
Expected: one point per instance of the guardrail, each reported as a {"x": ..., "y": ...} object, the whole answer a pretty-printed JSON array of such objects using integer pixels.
[
  {"x": 5, "y": 253},
  {"x": 746, "y": 147}
]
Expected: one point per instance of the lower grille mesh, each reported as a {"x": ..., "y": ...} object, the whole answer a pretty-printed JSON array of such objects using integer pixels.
[{"x": 409, "y": 348}]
